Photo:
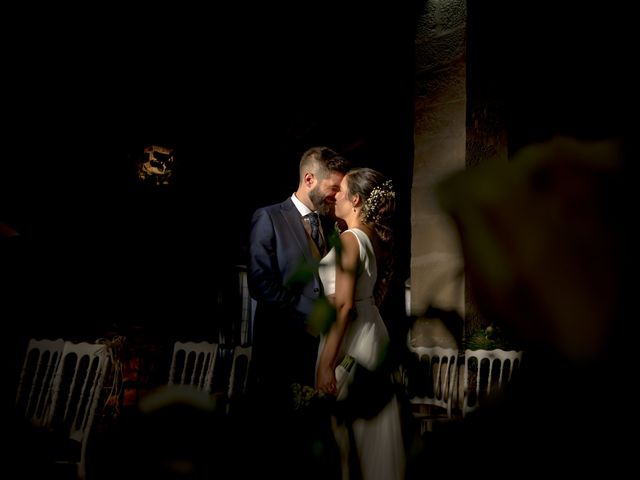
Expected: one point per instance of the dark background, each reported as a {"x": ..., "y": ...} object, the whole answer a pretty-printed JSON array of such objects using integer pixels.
[{"x": 239, "y": 92}]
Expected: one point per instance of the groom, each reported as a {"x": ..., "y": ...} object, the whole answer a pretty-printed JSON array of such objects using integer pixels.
[{"x": 285, "y": 246}]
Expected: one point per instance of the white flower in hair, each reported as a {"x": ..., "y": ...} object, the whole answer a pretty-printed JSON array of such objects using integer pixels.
[{"x": 371, "y": 207}]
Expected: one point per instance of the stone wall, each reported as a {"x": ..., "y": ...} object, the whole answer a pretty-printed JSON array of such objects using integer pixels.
[{"x": 440, "y": 144}]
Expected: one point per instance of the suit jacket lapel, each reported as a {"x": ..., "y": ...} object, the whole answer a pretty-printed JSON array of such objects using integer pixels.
[{"x": 294, "y": 222}]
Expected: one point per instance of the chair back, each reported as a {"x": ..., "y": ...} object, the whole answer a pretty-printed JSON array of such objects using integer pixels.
[
  {"x": 193, "y": 363},
  {"x": 33, "y": 397},
  {"x": 485, "y": 374},
  {"x": 239, "y": 375},
  {"x": 434, "y": 380},
  {"x": 76, "y": 392}
]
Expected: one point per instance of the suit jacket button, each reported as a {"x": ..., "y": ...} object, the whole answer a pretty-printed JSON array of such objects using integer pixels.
[{"x": 316, "y": 290}]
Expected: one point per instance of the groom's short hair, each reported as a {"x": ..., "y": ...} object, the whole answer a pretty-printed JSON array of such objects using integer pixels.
[{"x": 321, "y": 161}]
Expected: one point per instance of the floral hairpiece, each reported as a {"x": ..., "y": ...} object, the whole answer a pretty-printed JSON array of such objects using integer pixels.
[{"x": 371, "y": 207}]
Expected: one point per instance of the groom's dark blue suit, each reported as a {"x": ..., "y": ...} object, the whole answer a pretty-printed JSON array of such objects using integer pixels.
[
  {"x": 279, "y": 247},
  {"x": 283, "y": 279}
]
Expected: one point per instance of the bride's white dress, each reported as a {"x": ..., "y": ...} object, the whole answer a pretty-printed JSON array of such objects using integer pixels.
[{"x": 378, "y": 440}]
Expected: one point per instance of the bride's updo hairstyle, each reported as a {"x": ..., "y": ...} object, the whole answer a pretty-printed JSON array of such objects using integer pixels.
[
  {"x": 378, "y": 199},
  {"x": 378, "y": 206}
]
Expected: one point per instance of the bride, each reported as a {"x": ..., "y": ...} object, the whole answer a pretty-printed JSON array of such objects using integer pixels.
[{"x": 351, "y": 362}]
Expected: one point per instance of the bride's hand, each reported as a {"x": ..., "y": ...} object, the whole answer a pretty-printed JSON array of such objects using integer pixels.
[{"x": 326, "y": 380}]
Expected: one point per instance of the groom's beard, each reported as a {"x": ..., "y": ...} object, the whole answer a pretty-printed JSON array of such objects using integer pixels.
[{"x": 320, "y": 202}]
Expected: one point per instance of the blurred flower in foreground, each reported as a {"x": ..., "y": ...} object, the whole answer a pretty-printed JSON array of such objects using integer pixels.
[{"x": 542, "y": 237}]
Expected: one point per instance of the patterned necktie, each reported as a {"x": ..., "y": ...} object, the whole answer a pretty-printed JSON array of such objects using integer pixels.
[{"x": 314, "y": 222}]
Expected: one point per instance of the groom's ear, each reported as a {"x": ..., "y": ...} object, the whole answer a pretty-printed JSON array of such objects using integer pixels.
[{"x": 308, "y": 179}]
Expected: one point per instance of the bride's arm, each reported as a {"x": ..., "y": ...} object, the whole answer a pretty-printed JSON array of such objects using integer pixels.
[{"x": 346, "y": 267}]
